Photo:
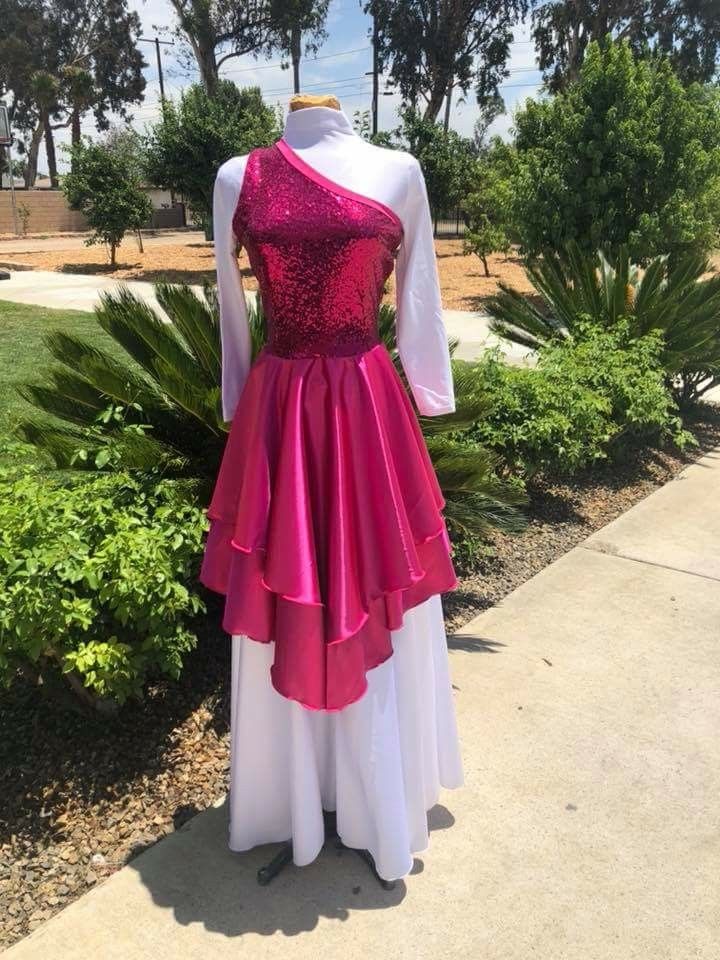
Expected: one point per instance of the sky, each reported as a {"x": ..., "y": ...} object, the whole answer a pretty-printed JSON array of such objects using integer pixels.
[{"x": 340, "y": 68}]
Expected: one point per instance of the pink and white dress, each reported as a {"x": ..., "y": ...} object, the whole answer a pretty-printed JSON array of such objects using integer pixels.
[{"x": 326, "y": 529}]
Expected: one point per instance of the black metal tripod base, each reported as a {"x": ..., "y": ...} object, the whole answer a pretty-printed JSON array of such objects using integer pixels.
[{"x": 285, "y": 855}]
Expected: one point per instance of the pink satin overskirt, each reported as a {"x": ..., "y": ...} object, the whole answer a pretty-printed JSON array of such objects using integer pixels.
[{"x": 325, "y": 521}]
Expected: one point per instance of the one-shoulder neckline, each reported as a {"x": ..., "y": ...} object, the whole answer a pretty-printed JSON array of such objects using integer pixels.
[{"x": 309, "y": 171}]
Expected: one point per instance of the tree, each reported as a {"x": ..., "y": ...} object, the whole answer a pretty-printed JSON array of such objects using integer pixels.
[
  {"x": 215, "y": 31},
  {"x": 432, "y": 46},
  {"x": 686, "y": 31},
  {"x": 104, "y": 185},
  {"x": 61, "y": 58},
  {"x": 218, "y": 30},
  {"x": 448, "y": 160},
  {"x": 187, "y": 146},
  {"x": 290, "y": 21},
  {"x": 625, "y": 155},
  {"x": 486, "y": 208}
]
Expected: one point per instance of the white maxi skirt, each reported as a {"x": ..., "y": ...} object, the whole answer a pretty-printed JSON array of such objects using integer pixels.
[{"x": 380, "y": 762}]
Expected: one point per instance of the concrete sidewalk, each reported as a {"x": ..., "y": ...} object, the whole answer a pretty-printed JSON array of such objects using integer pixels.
[
  {"x": 47, "y": 288},
  {"x": 66, "y": 291},
  {"x": 589, "y": 711}
]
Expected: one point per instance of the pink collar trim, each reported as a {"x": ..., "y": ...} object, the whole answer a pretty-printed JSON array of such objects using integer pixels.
[{"x": 292, "y": 157}]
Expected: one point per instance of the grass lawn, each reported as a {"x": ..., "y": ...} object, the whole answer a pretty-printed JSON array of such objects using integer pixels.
[{"x": 24, "y": 358}]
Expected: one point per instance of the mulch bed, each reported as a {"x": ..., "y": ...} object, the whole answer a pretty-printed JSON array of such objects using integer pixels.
[
  {"x": 462, "y": 278},
  {"x": 81, "y": 795}
]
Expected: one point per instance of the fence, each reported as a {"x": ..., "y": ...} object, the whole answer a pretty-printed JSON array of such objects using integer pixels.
[
  {"x": 46, "y": 211},
  {"x": 448, "y": 224}
]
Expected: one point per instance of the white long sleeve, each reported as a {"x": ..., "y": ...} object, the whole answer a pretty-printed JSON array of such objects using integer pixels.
[
  {"x": 420, "y": 328},
  {"x": 234, "y": 328}
]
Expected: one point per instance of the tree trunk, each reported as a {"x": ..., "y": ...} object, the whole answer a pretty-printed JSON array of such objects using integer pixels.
[
  {"x": 32, "y": 155},
  {"x": 437, "y": 96},
  {"x": 485, "y": 264},
  {"x": 113, "y": 252},
  {"x": 50, "y": 151},
  {"x": 295, "y": 53},
  {"x": 208, "y": 70},
  {"x": 75, "y": 126},
  {"x": 195, "y": 20}
]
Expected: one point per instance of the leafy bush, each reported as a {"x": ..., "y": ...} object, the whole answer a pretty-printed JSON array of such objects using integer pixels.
[
  {"x": 626, "y": 154},
  {"x": 194, "y": 137},
  {"x": 94, "y": 580},
  {"x": 588, "y": 399},
  {"x": 676, "y": 300}
]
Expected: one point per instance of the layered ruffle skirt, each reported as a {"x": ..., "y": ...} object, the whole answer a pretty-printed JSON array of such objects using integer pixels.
[
  {"x": 325, "y": 521},
  {"x": 328, "y": 541}
]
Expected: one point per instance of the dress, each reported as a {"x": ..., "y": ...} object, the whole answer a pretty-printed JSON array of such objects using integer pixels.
[{"x": 326, "y": 529}]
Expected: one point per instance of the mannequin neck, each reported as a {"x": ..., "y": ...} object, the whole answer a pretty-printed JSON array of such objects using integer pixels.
[{"x": 311, "y": 125}]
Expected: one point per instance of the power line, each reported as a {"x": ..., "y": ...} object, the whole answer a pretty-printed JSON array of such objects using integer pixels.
[{"x": 279, "y": 63}]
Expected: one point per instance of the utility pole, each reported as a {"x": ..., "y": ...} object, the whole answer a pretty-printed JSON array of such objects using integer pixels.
[
  {"x": 157, "y": 41},
  {"x": 448, "y": 102},
  {"x": 167, "y": 43},
  {"x": 375, "y": 71}
]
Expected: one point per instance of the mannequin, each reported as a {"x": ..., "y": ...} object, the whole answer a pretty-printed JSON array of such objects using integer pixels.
[
  {"x": 380, "y": 761},
  {"x": 301, "y": 100}
]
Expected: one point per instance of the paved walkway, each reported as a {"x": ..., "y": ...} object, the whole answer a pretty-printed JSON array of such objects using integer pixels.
[
  {"x": 589, "y": 710},
  {"x": 65, "y": 291},
  {"x": 79, "y": 292}
]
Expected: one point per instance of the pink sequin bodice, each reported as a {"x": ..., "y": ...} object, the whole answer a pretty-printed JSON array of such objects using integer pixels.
[{"x": 321, "y": 255}]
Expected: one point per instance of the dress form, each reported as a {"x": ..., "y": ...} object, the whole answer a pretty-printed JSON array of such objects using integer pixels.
[{"x": 381, "y": 761}]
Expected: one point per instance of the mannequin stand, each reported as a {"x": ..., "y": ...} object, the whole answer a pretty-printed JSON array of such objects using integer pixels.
[{"x": 284, "y": 856}]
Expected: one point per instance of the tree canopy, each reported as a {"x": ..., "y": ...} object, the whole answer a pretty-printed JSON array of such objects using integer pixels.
[
  {"x": 196, "y": 136},
  {"x": 215, "y": 31},
  {"x": 62, "y": 58},
  {"x": 625, "y": 155},
  {"x": 431, "y": 46},
  {"x": 686, "y": 31}
]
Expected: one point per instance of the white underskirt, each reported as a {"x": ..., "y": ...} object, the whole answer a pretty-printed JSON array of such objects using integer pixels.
[{"x": 380, "y": 762}]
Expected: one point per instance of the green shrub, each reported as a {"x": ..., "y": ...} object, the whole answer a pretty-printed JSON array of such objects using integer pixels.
[
  {"x": 588, "y": 399},
  {"x": 97, "y": 579},
  {"x": 106, "y": 413},
  {"x": 196, "y": 135},
  {"x": 675, "y": 299},
  {"x": 625, "y": 155}
]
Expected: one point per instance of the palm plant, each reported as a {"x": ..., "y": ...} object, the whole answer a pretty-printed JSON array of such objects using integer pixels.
[
  {"x": 675, "y": 298},
  {"x": 154, "y": 403}
]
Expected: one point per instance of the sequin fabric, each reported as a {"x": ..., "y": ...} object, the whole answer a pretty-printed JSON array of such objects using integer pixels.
[{"x": 321, "y": 255}]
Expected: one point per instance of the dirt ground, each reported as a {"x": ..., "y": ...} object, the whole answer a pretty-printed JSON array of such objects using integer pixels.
[{"x": 462, "y": 280}]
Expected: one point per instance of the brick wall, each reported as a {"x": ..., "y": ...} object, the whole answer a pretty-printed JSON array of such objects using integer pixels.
[{"x": 49, "y": 212}]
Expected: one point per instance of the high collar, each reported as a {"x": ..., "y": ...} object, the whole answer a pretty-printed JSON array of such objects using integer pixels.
[{"x": 311, "y": 125}]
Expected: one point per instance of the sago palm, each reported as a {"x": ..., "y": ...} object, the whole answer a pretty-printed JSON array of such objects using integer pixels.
[
  {"x": 154, "y": 402},
  {"x": 677, "y": 299}
]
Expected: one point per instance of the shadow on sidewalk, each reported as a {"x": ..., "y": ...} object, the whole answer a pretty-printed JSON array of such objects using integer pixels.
[{"x": 194, "y": 874}]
